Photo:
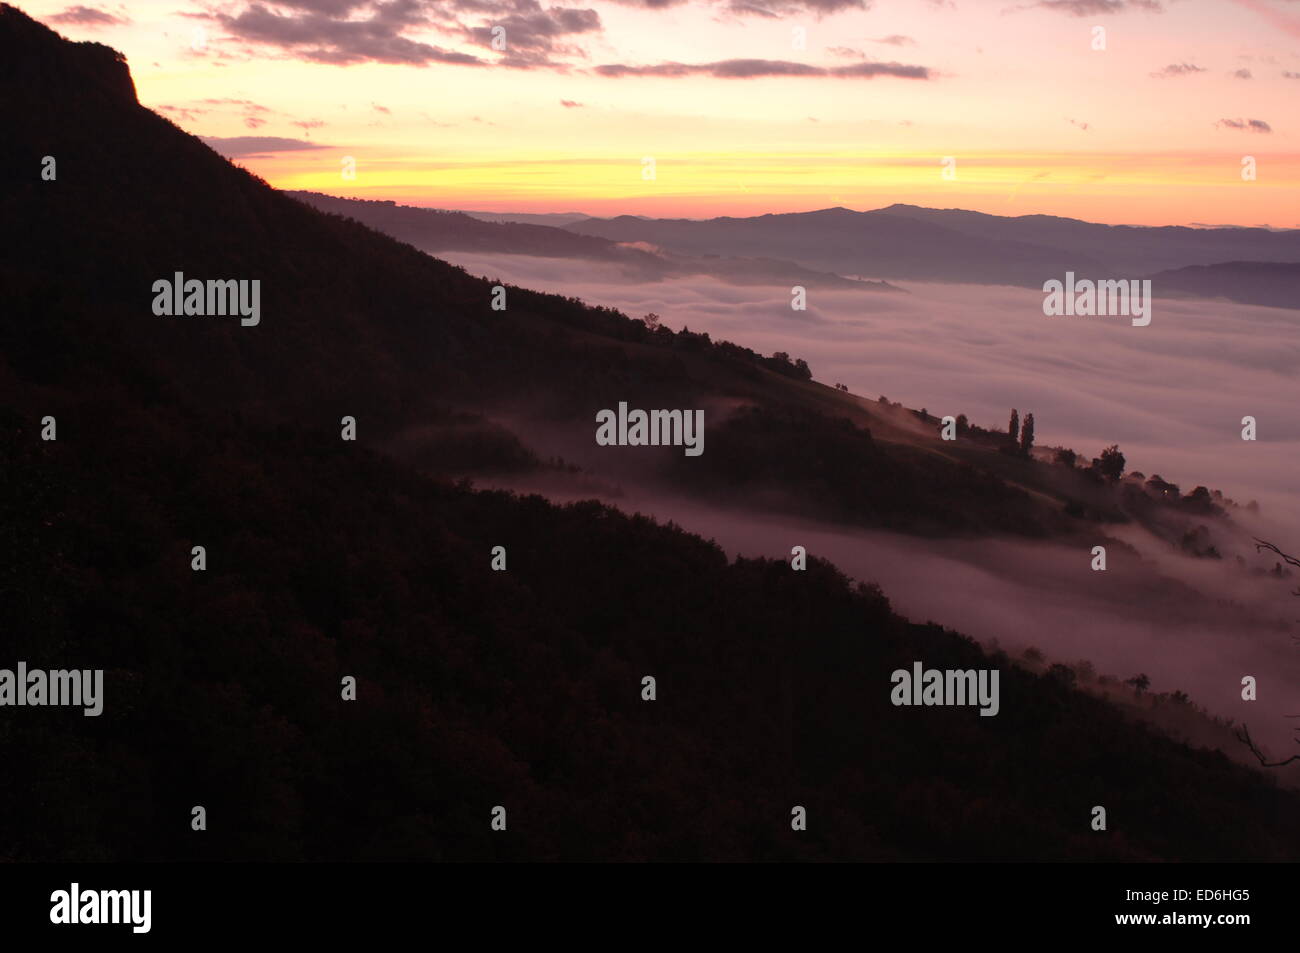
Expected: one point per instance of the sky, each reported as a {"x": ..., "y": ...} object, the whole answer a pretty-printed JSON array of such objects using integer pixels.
[{"x": 1151, "y": 112}]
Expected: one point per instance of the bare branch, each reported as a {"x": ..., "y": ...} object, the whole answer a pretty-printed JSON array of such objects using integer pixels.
[
  {"x": 1261, "y": 545},
  {"x": 1244, "y": 737}
]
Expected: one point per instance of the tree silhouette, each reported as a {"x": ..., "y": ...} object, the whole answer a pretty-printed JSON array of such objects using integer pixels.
[
  {"x": 1062, "y": 673},
  {"x": 1140, "y": 682},
  {"x": 1110, "y": 463},
  {"x": 1014, "y": 427},
  {"x": 1027, "y": 434}
]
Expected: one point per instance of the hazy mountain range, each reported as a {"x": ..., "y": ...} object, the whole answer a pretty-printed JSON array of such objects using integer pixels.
[
  {"x": 908, "y": 242},
  {"x": 901, "y": 242},
  {"x": 434, "y": 230}
]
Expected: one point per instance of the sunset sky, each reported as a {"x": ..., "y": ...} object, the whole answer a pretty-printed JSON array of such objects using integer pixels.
[{"x": 739, "y": 116}]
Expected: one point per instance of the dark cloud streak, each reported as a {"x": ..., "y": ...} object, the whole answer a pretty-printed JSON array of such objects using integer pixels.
[
  {"x": 1245, "y": 125},
  {"x": 233, "y": 147},
  {"x": 1178, "y": 69},
  {"x": 88, "y": 17},
  {"x": 754, "y": 69},
  {"x": 1090, "y": 8},
  {"x": 319, "y": 36}
]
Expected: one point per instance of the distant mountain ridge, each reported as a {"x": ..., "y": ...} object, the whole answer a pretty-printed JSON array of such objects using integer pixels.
[
  {"x": 909, "y": 242},
  {"x": 555, "y": 219},
  {"x": 436, "y": 230}
]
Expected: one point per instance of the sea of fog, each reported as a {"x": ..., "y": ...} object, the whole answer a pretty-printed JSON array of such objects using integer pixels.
[{"x": 1171, "y": 394}]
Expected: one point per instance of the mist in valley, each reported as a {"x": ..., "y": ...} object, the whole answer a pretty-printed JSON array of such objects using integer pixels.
[{"x": 1172, "y": 395}]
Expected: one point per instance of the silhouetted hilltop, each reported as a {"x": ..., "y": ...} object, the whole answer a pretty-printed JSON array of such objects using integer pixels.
[{"x": 48, "y": 69}]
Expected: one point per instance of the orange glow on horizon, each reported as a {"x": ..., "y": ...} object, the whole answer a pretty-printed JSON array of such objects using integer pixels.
[
  {"x": 1112, "y": 189},
  {"x": 1151, "y": 127}
]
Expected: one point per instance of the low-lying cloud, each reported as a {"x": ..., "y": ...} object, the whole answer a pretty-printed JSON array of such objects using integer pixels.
[{"x": 1172, "y": 394}]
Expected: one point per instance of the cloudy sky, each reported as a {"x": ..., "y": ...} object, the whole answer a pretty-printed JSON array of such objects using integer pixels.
[{"x": 745, "y": 106}]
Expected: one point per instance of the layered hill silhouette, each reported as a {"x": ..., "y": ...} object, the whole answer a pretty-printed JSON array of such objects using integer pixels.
[
  {"x": 910, "y": 242},
  {"x": 435, "y": 230},
  {"x": 1270, "y": 283},
  {"x": 329, "y": 559}
]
